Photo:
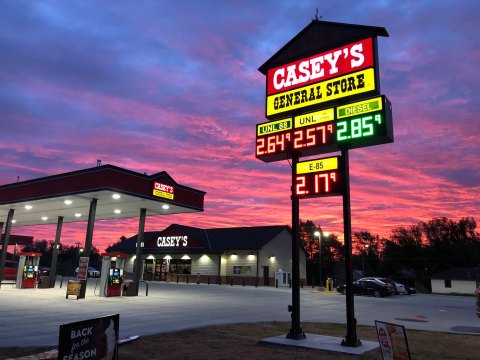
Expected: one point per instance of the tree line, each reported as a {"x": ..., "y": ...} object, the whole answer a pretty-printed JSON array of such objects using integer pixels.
[{"x": 422, "y": 249}]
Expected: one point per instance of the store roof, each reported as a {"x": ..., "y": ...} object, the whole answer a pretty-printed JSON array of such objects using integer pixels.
[
  {"x": 459, "y": 273},
  {"x": 215, "y": 240},
  {"x": 43, "y": 200}
]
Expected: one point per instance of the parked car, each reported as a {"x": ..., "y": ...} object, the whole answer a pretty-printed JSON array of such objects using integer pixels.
[
  {"x": 368, "y": 287},
  {"x": 43, "y": 271},
  {"x": 10, "y": 270},
  {"x": 390, "y": 284},
  {"x": 477, "y": 294},
  {"x": 401, "y": 290},
  {"x": 91, "y": 272}
]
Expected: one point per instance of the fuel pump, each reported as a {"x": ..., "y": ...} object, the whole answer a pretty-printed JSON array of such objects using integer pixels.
[
  {"x": 27, "y": 270},
  {"x": 111, "y": 278}
]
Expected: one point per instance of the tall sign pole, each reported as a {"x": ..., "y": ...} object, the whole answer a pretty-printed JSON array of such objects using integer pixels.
[
  {"x": 295, "y": 332},
  {"x": 323, "y": 96},
  {"x": 351, "y": 337}
]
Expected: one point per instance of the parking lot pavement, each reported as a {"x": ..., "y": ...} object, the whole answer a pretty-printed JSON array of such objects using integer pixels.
[{"x": 31, "y": 317}]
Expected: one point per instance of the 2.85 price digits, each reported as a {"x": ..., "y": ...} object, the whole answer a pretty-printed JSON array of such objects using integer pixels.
[
  {"x": 317, "y": 184},
  {"x": 358, "y": 127},
  {"x": 273, "y": 144}
]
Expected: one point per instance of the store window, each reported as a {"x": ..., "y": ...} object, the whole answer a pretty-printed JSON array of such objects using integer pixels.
[
  {"x": 448, "y": 283},
  {"x": 181, "y": 266}
]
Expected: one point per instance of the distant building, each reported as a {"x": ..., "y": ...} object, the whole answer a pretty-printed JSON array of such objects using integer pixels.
[
  {"x": 456, "y": 281},
  {"x": 240, "y": 255}
]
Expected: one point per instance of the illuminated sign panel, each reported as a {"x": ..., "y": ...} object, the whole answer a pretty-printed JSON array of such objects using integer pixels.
[
  {"x": 360, "y": 82},
  {"x": 163, "y": 191},
  {"x": 317, "y": 178},
  {"x": 340, "y": 61},
  {"x": 354, "y": 125},
  {"x": 273, "y": 140}
]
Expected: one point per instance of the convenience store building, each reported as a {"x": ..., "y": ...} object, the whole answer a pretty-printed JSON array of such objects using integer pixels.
[{"x": 241, "y": 255}]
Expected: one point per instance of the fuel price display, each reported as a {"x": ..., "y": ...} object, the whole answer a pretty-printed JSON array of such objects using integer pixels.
[
  {"x": 318, "y": 178},
  {"x": 355, "y": 125}
]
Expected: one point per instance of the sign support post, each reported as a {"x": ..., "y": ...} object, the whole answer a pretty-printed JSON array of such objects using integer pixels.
[
  {"x": 351, "y": 338},
  {"x": 295, "y": 332}
]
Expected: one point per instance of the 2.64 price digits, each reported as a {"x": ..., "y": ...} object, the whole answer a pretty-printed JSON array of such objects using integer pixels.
[
  {"x": 358, "y": 127},
  {"x": 317, "y": 184},
  {"x": 273, "y": 144}
]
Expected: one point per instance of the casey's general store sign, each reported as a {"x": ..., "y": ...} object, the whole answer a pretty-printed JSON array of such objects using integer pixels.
[
  {"x": 342, "y": 72},
  {"x": 163, "y": 190}
]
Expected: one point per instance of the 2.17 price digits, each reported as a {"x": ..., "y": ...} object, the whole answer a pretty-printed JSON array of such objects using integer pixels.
[{"x": 317, "y": 184}]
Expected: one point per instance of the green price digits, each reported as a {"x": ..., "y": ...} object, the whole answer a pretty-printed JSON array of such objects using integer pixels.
[{"x": 358, "y": 127}]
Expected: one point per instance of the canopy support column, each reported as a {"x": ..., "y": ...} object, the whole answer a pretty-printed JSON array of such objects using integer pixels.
[
  {"x": 56, "y": 246},
  {"x": 88, "y": 241},
  {"x": 8, "y": 227},
  {"x": 138, "y": 263}
]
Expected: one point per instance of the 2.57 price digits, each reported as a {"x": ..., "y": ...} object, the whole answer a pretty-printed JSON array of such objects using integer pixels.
[
  {"x": 312, "y": 136},
  {"x": 317, "y": 184},
  {"x": 358, "y": 127},
  {"x": 273, "y": 144}
]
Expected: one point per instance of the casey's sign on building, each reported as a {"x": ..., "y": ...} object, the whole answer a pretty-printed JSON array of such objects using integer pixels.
[
  {"x": 344, "y": 71},
  {"x": 162, "y": 190}
]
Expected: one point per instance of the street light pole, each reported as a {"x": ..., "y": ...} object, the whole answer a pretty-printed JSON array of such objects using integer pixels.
[
  {"x": 320, "y": 234},
  {"x": 363, "y": 260}
]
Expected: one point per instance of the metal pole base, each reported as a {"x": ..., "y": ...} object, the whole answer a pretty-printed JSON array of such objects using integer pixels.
[
  {"x": 296, "y": 335},
  {"x": 351, "y": 342}
]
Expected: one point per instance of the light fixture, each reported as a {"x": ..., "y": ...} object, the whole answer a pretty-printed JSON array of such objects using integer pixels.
[
  {"x": 68, "y": 202},
  {"x": 117, "y": 211},
  {"x": 44, "y": 218},
  {"x": 165, "y": 207},
  {"x": 78, "y": 215},
  {"x": 185, "y": 257},
  {"x": 28, "y": 207},
  {"x": 116, "y": 196},
  {"x": 14, "y": 221}
]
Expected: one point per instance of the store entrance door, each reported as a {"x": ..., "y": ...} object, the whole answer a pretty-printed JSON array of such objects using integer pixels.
[
  {"x": 160, "y": 269},
  {"x": 266, "y": 275}
]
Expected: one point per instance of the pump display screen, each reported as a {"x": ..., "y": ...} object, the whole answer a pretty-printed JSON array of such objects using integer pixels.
[
  {"x": 355, "y": 125},
  {"x": 317, "y": 178}
]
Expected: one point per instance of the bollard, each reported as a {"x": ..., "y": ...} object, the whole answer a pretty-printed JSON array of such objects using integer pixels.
[
  {"x": 243, "y": 280},
  {"x": 188, "y": 278},
  {"x": 256, "y": 282},
  {"x": 231, "y": 281},
  {"x": 276, "y": 283},
  {"x": 219, "y": 280},
  {"x": 208, "y": 280},
  {"x": 177, "y": 278}
]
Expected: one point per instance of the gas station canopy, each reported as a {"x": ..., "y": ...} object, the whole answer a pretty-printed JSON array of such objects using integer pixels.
[{"x": 120, "y": 193}]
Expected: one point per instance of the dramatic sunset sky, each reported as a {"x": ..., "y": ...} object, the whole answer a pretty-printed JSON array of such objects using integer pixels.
[{"x": 173, "y": 86}]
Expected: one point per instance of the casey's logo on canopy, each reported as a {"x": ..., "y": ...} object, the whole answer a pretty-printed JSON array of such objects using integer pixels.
[{"x": 162, "y": 190}]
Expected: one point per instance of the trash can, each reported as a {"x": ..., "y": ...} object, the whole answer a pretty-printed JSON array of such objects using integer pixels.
[
  {"x": 129, "y": 288},
  {"x": 43, "y": 282},
  {"x": 329, "y": 284}
]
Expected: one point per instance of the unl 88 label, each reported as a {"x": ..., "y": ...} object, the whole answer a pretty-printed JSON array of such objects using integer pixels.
[{"x": 359, "y": 127}]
